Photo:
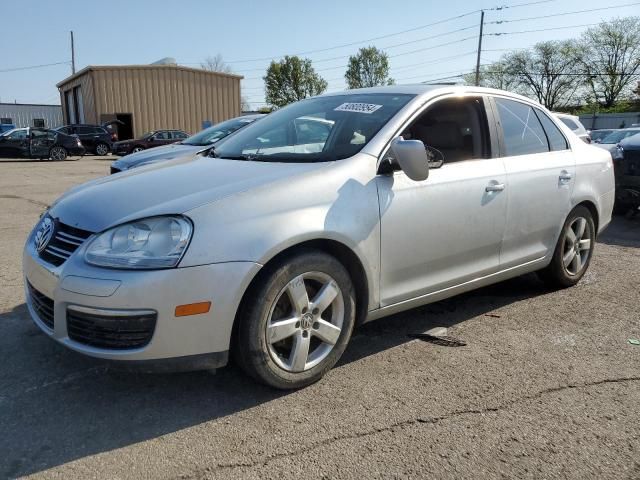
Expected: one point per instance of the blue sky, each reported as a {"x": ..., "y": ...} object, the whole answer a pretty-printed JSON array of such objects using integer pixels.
[{"x": 140, "y": 32}]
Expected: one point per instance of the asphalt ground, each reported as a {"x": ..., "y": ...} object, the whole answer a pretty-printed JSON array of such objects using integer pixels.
[{"x": 547, "y": 386}]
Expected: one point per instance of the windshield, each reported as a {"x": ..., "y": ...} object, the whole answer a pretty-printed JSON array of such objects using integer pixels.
[
  {"x": 318, "y": 129},
  {"x": 220, "y": 130},
  {"x": 615, "y": 137}
]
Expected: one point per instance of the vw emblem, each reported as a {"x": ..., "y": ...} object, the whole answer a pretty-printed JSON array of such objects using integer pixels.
[{"x": 43, "y": 234}]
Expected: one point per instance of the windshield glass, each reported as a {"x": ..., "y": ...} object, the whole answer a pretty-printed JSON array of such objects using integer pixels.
[
  {"x": 615, "y": 137},
  {"x": 220, "y": 130},
  {"x": 318, "y": 129}
]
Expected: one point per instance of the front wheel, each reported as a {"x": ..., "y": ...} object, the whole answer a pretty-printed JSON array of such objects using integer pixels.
[
  {"x": 58, "y": 153},
  {"x": 137, "y": 149},
  {"x": 573, "y": 251},
  {"x": 297, "y": 321}
]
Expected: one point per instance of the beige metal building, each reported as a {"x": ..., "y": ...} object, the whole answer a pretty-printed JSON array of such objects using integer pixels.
[{"x": 149, "y": 97}]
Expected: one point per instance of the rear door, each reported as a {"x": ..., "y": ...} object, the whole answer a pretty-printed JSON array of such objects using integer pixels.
[{"x": 540, "y": 171}]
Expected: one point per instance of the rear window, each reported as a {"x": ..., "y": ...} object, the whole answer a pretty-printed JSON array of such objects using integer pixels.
[{"x": 570, "y": 123}]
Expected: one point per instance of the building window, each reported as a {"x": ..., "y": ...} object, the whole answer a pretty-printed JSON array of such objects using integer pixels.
[
  {"x": 38, "y": 122},
  {"x": 6, "y": 121}
]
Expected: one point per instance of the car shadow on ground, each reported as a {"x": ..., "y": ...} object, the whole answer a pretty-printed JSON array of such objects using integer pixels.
[
  {"x": 79, "y": 407},
  {"x": 37, "y": 160},
  {"x": 623, "y": 231}
]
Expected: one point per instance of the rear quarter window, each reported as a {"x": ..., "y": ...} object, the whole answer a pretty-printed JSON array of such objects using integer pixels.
[{"x": 557, "y": 141}]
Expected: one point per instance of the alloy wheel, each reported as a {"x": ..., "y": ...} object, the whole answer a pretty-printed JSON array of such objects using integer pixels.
[
  {"x": 102, "y": 149},
  {"x": 58, "y": 153},
  {"x": 305, "y": 321},
  {"x": 137, "y": 149},
  {"x": 576, "y": 246}
]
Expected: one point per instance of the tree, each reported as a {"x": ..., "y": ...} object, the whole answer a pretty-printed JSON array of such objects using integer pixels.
[
  {"x": 368, "y": 68},
  {"x": 610, "y": 58},
  {"x": 548, "y": 71},
  {"x": 292, "y": 79},
  {"x": 216, "y": 64},
  {"x": 494, "y": 75}
]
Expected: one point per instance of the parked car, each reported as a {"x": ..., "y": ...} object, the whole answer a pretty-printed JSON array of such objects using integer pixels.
[
  {"x": 627, "y": 172},
  {"x": 95, "y": 138},
  {"x": 611, "y": 141},
  {"x": 5, "y": 127},
  {"x": 39, "y": 143},
  {"x": 574, "y": 124},
  {"x": 598, "y": 135},
  {"x": 153, "y": 139},
  {"x": 280, "y": 241},
  {"x": 205, "y": 138}
]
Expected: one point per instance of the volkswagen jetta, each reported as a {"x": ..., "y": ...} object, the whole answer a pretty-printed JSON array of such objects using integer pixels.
[{"x": 333, "y": 211}]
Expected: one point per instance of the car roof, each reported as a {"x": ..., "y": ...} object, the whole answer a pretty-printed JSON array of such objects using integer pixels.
[{"x": 432, "y": 90}]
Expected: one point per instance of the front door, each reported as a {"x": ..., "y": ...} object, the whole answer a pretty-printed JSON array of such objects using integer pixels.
[
  {"x": 540, "y": 172},
  {"x": 41, "y": 142},
  {"x": 15, "y": 144},
  {"x": 447, "y": 229}
]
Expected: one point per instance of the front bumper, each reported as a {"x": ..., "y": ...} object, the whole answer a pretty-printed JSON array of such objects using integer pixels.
[{"x": 102, "y": 291}]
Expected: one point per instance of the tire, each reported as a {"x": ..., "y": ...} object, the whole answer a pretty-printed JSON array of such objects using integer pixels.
[
  {"x": 274, "y": 329},
  {"x": 573, "y": 251},
  {"x": 58, "y": 153},
  {"x": 102, "y": 149},
  {"x": 137, "y": 149}
]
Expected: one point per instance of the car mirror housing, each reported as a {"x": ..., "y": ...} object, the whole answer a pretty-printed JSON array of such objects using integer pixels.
[{"x": 411, "y": 155}]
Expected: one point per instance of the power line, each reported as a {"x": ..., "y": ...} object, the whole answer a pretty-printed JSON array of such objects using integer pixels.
[
  {"x": 498, "y": 22},
  {"x": 31, "y": 67},
  {"x": 456, "y": 17},
  {"x": 542, "y": 29},
  {"x": 420, "y": 27}
]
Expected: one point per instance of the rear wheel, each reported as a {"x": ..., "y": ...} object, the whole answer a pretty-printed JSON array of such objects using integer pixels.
[
  {"x": 137, "y": 149},
  {"x": 102, "y": 149},
  {"x": 573, "y": 251},
  {"x": 296, "y": 323},
  {"x": 58, "y": 153}
]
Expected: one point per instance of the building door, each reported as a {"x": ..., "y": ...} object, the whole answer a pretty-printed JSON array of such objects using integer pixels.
[{"x": 121, "y": 123}]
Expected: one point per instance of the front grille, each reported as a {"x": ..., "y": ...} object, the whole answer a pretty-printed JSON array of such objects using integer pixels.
[
  {"x": 631, "y": 163},
  {"x": 113, "y": 332},
  {"x": 42, "y": 305},
  {"x": 66, "y": 240}
]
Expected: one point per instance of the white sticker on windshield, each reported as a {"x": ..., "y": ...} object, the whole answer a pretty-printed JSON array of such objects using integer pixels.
[{"x": 357, "y": 107}]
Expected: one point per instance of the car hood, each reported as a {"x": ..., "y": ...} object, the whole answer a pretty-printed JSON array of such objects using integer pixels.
[
  {"x": 167, "y": 188},
  {"x": 166, "y": 152}
]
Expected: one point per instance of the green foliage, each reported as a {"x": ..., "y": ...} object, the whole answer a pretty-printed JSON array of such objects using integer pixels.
[
  {"x": 610, "y": 58},
  {"x": 292, "y": 79},
  {"x": 368, "y": 68}
]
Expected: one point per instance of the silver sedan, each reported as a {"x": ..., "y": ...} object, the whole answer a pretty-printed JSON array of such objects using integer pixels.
[{"x": 333, "y": 211}]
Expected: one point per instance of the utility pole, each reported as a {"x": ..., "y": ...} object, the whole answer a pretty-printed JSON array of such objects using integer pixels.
[
  {"x": 479, "y": 48},
  {"x": 73, "y": 56}
]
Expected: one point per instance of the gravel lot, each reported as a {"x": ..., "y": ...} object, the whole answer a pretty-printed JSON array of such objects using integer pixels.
[{"x": 547, "y": 386}]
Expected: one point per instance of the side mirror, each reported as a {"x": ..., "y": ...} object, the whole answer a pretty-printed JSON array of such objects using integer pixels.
[{"x": 412, "y": 158}]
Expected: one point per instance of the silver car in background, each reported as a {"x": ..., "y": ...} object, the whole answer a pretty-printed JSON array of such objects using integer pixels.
[
  {"x": 333, "y": 211},
  {"x": 189, "y": 146}
]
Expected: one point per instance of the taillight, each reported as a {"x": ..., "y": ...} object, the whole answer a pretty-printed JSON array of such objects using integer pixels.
[{"x": 114, "y": 137}]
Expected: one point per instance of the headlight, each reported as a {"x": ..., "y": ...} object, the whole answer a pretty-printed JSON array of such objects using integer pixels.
[
  {"x": 618, "y": 153},
  {"x": 157, "y": 242}
]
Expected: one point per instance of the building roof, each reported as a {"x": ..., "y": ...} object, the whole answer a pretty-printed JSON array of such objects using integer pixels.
[
  {"x": 142, "y": 67},
  {"x": 12, "y": 104}
]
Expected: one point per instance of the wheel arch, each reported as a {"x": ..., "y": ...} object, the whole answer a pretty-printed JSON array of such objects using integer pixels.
[
  {"x": 345, "y": 255},
  {"x": 593, "y": 209}
]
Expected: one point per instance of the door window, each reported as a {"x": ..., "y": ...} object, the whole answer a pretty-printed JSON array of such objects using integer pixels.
[
  {"x": 523, "y": 133},
  {"x": 452, "y": 130},
  {"x": 18, "y": 135},
  {"x": 85, "y": 130},
  {"x": 554, "y": 136},
  {"x": 178, "y": 135},
  {"x": 161, "y": 136}
]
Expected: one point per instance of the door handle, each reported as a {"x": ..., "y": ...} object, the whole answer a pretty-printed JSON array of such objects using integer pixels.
[
  {"x": 494, "y": 187},
  {"x": 565, "y": 177}
]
